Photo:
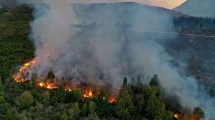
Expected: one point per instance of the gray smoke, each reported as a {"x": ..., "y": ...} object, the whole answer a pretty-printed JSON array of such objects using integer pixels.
[{"x": 117, "y": 45}]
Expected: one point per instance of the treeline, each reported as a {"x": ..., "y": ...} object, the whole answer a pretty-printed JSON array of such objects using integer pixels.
[
  {"x": 134, "y": 101},
  {"x": 193, "y": 24}
]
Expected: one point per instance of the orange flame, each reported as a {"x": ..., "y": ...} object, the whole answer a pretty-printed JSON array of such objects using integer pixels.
[
  {"x": 88, "y": 94},
  {"x": 19, "y": 77},
  {"x": 195, "y": 117},
  {"x": 112, "y": 100},
  {"x": 177, "y": 116},
  {"x": 48, "y": 85},
  {"x": 23, "y": 70},
  {"x": 41, "y": 84}
]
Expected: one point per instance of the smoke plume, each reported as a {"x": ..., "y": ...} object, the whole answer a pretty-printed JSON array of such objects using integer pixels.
[{"x": 105, "y": 42}]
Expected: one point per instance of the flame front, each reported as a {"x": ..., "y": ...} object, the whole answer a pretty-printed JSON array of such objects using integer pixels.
[
  {"x": 23, "y": 72},
  {"x": 88, "y": 94},
  {"x": 112, "y": 100},
  {"x": 19, "y": 77},
  {"x": 195, "y": 117},
  {"x": 176, "y": 116},
  {"x": 48, "y": 85}
]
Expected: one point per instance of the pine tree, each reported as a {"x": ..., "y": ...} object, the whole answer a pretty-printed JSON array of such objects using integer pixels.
[
  {"x": 154, "y": 81},
  {"x": 199, "y": 112},
  {"x": 50, "y": 76},
  {"x": 125, "y": 82},
  {"x": 155, "y": 110},
  {"x": 124, "y": 106}
]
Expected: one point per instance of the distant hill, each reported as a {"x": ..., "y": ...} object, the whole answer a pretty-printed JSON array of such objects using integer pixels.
[
  {"x": 127, "y": 14},
  {"x": 198, "y": 8}
]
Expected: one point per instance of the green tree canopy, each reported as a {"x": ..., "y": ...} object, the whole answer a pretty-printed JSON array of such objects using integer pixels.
[
  {"x": 74, "y": 96},
  {"x": 92, "y": 107},
  {"x": 2, "y": 100},
  {"x": 61, "y": 93},
  {"x": 124, "y": 105},
  {"x": 155, "y": 109},
  {"x": 46, "y": 97},
  {"x": 1, "y": 86},
  {"x": 25, "y": 100},
  {"x": 64, "y": 116},
  {"x": 154, "y": 80},
  {"x": 9, "y": 115},
  {"x": 74, "y": 112},
  {"x": 51, "y": 75},
  {"x": 199, "y": 112},
  {"x": 125, "y": 82}
]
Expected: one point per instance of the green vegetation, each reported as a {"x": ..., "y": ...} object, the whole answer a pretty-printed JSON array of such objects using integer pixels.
[
  {"x": 198, "y": 112},
  {"x": 26, "y": 101},
  {"x": 15, "y": 46}
]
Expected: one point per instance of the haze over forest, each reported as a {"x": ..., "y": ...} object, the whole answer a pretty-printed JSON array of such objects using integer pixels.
[{"x": 117, "y": 60}]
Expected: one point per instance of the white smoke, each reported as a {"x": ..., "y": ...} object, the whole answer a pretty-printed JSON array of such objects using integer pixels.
[{"x": 110, "y": 50}]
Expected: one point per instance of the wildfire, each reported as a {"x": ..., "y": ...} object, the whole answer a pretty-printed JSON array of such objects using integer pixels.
[
  {"x": 41, "y": 84},
  {"x": 177, "y": 116},
  {"x": 88, "y": 94},
  {"x": 112, "y": 100},
  {"x": 23, "y": 70},
  {"x": 195, "y": 118},
  {"x": 48, "y": 85}
]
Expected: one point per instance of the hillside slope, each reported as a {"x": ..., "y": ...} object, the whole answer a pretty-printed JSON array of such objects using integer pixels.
[
  {"x": 15, "y": 45},
  {"x": 127, "y": 14},
  {"x": 198, "y": 8}
]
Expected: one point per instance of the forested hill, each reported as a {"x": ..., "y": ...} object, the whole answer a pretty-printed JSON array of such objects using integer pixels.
[
  {"x": 127, "y": 14},
  {"x": 198, "y": 8},
  {"x": 29, "y": 101}
]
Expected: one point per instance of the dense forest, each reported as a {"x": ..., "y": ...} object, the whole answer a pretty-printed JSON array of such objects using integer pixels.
[
  {"x": 195, "y": 25},
  {"x": 26, "y": 101}
]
